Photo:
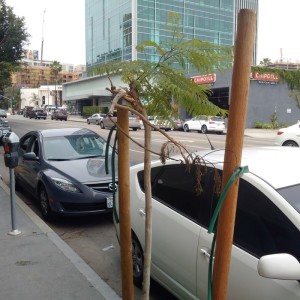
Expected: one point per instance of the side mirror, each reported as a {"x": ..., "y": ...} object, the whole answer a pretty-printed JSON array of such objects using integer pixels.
[
  {"x": 30, "y": 156},
  {"x": 279, "y": 266}
]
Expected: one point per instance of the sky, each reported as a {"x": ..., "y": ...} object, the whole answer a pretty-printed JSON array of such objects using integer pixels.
[{"x": 63, "y": 29}]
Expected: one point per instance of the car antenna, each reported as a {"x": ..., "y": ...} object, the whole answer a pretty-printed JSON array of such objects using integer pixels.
[{"x": 211, "y": 146}]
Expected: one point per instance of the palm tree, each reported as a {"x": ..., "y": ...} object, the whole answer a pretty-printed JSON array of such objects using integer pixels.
[
  {"x": 55, "y": 69},
  {"x": 265, "y": 62}
]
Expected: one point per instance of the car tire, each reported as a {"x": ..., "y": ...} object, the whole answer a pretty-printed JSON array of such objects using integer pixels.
[
  {"x": 102, "y": 125},
  {"x": 88, "y": 122},
  {"x": 137, "y": 261},
  {"x": 134, "y": 129},
  {"x": 186, "y": 128},
  {"x": 46, "y": 211},
  {"x": 290, "y": 144},
  {"x": 204, "y": 129}
]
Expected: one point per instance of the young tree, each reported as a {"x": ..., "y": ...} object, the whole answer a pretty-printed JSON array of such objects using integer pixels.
[
  {"x": 155, "y": 85},
  {"x": 13, "y": 38},
  {"x": 55, "y": 67}
]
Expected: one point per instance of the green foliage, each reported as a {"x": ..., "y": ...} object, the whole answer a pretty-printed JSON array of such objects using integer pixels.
[
  {"x": 262, "y": 125},
  {"x": 265, "y": 62},
  {"x": 90, "y": 110},
  {"x": 13, "y": 38},
  {"x": 55, "y": 68},
  {"x": 274, "y": 121},
  {"x": 164, "y": 83}
]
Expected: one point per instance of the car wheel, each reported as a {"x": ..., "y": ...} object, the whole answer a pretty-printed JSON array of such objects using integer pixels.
[
  {"x": 134, "y": 129},
  {"x": 102, "y": 125},
  {"x": 204, "y": 129},
  {"x": 219, "y": 132},
  {"x": 88, "y": 121},
  {"x": 290, "y": 144},
  {"x": 186, "y": 128},
  {"x": 46, "y": 211},
  {"x": 137, "y": 261}
]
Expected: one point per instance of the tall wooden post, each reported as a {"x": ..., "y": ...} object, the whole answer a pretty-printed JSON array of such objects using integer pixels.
[
  {"x": 234, "y": 143},
  {"x": 124, "y": 206}
]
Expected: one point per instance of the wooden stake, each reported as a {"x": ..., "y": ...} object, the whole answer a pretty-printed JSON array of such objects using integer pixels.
[
  {"x": 233, "y": 148},
  {"x": 124, "y": 205}
]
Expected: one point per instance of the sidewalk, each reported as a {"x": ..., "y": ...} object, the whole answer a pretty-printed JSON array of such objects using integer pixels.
[{"x": 38, "y": 264}]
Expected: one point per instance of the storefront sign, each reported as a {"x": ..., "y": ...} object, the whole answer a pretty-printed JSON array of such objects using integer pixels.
[
  {"x": 265, "y": 78},
  {"x": 204, "y": 79}
]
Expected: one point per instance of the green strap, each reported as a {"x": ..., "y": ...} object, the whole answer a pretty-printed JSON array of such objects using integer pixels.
[{"x": 238, "y": 172}]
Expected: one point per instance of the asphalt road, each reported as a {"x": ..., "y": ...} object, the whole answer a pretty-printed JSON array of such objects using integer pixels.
[{"x": 94, "y": 238}]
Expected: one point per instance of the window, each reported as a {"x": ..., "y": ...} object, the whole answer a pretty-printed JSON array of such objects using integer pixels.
[
  {"x": 261, "y": 227},
  {"x": 177, "y": 187}
]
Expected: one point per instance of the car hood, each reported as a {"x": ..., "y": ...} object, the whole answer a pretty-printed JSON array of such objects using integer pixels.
[{"x": 84, "y": 170}]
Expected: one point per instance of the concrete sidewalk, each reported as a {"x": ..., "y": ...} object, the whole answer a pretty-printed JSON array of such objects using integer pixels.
[{"x": 38, "y": 264}]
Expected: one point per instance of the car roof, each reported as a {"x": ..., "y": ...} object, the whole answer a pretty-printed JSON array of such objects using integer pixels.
[
  {"x": 277, "y": 165},
  {"x": 65, "y": 131}
]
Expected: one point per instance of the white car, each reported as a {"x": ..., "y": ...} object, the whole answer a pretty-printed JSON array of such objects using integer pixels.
[
  {"x": 266, "y": 250},
  {"x": 289, "y": 136},
  {"x": 205, "y": 124}
]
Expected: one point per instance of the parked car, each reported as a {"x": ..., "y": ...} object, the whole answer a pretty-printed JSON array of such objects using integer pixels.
[
  {"x": 59, "y": 114},
  {"x": 95, "y": 119},
  {"x": 108, "y": 122},
  {"x": 3, "y": 113},
  {"x": 27, "y": 111},
  {"x": 178, "y": 124},
  {"x": 70, "y": 182},
  {"x": 4, "y": 129},
  {"x": 289, "y": 136},
  {"x": 37, "y": 114},
  {"x": 266, "y": 246},
  {"x": 205, "y": 124}
]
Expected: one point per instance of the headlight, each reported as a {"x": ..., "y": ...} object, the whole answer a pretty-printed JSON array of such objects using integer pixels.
[{"x": 65, "y": 185}]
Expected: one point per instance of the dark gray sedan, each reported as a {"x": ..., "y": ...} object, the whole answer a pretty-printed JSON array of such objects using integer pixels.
[{"x": 65, "y": 170}]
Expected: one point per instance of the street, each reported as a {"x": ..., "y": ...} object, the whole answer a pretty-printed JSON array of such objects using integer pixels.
[{"x": 94, "y": 238}]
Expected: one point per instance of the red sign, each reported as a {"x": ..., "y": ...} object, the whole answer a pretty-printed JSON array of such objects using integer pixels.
[
  {"x": 266, "y": 76},
  {"x": 204, "y": 79}
]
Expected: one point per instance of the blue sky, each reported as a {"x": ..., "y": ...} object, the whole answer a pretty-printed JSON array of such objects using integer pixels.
[{"x": 64, "y": 35}]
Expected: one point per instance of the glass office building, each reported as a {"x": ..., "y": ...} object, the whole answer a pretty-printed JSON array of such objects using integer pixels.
[{"x": 115, "y": 27}]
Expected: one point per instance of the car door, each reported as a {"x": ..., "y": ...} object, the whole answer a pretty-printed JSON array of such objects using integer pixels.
[
  {"x": 194, "y": 123},
  {"x": 260, "y": 229},
  {"x": 176, "y": 229},
  {"x": 27, "y": 170}
]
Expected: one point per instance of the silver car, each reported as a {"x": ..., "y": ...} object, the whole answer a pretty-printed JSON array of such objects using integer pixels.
[
  {"x": 108, "y": 122},
  {"x": 266, "y": 246},
  {"x": 95, "y": 119}
]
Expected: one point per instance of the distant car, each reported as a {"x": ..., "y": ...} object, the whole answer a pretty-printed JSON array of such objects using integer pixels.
[
  {"x": 4, "y": 129},
  {"x": 108, "y": 122},
  {"x": 265, "y": 253},
  {"x": 178, "y": 124},
  {"x": 205, "y": 124},
  {"x": 37, "y": 114},
  {"x": 95, "y": 119},
  {"x": 59, "y": 114},
  {"x": 71, "y": 182},
  {"x": 3, "y": 113},
  {"x": 289, "y": 136},
  {"x": 27, "y": 111}
]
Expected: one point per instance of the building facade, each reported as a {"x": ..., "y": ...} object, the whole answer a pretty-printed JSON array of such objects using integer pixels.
[{"x": 114, "y": 28}]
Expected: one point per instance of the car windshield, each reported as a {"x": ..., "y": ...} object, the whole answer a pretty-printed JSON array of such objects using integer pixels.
[
  {"x": 291, "y": 195},
  {"x": 73, "y": 147}
]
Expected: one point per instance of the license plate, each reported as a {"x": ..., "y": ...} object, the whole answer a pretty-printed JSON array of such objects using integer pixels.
[{"x": 109, "y": 202}]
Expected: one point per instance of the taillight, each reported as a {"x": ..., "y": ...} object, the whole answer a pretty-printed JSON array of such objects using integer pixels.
[
  {"x": 210, "y": 122},
  {"x": 280, "y": 132}
]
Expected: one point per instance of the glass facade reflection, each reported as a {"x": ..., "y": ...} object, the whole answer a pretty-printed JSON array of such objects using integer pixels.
[{"x": 115, "y": 27}]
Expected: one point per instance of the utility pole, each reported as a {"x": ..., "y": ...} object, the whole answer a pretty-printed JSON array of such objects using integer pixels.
[{"x": 42, "y": 46}]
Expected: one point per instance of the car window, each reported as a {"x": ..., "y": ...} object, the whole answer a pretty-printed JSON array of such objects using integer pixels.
[
  {"x": 25, "y": 142},
  {"x": 177, "y": 187},
  {"x": 261, "y": 227}
]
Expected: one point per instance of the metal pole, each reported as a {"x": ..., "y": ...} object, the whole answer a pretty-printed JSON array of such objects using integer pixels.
[{"x": 13, "y": 202}]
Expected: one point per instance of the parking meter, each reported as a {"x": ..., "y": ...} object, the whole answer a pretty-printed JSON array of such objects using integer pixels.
[{"x": 11, "y": 148}]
